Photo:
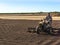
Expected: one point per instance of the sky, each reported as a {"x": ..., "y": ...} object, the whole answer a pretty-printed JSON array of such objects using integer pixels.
[{"x": 21, "y": 6}]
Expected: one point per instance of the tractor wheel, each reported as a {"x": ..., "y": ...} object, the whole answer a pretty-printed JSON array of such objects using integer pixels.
[
  {"x": 49, "y": 30},
  {"x": 38, "y": 30}
]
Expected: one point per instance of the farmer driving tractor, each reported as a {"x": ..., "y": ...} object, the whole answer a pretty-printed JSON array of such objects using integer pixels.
[
  {"x": 49, "y": 18},
  {"x": 45, "y": 25}
]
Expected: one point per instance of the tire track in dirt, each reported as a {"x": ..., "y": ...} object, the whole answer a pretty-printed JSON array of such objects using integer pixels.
[
  {"x": 56, "y": 42},
  {"x": 10, "y": 36}
]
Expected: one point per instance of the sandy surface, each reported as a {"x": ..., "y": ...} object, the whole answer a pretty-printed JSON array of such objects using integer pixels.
[
  {"x": 14, "y": 32},
  {"x": 27, "y": 17}
]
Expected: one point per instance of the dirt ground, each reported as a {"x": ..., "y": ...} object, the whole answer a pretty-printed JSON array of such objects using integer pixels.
[
  {"x": 29, "y": 17},
  {"x": 14, "y": 32}
]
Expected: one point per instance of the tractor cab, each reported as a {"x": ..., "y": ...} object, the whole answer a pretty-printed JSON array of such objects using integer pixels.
[{"x": 45, "y": 25}]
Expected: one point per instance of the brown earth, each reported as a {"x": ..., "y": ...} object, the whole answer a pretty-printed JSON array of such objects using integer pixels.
[{"x": 14, "y": 32}]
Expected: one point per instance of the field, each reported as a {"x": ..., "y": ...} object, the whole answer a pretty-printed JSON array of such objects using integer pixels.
[
  {"x": 27, "y": 17},
  {"x": 14, "y": 32}
]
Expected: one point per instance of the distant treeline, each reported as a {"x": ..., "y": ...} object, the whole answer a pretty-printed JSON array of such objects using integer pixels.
[
  {"x": 33, "y": 13},
  {"x": 55, "y": 13}
]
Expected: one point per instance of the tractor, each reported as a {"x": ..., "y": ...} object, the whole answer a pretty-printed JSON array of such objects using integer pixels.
[{"x": 45, "y": 25}]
